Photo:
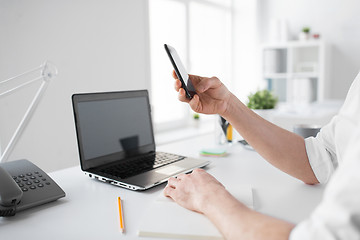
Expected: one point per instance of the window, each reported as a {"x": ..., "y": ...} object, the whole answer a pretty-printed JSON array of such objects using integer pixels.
[{"x": 200, "y": 30}]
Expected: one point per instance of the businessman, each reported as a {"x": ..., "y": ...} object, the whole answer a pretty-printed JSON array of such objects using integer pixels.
[{"x": 334, "y": 153}]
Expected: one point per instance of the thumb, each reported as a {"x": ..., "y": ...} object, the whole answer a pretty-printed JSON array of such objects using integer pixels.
[
  {"x": 196, "y": 80},
  {"x": 207, "y": 83}
]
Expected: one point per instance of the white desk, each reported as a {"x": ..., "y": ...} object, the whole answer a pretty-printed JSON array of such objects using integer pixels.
[
  {"x": 90, "y": 210},
  {"x": 317, "y": 113}
]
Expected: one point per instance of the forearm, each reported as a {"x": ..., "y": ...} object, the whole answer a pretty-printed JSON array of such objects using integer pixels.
[
  {"x": 283, "y": 149},
  {"x": 236, "y": 221}
]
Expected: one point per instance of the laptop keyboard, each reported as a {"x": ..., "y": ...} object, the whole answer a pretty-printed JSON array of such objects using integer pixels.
[{"x": 133, "y": 167}]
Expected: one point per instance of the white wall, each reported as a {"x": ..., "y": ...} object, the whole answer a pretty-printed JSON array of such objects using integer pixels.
[
  {"x": 338, "y": 22},
  {"x": 97, "y": 45}
]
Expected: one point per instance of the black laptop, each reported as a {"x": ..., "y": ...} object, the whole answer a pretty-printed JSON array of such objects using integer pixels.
[{"x": 116, "y": 141}]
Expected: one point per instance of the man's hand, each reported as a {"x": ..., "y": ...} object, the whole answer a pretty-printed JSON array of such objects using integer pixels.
[
  {"x": 194, "y": 191},
  {"x": 212, "y": 97},
  {"x": 201, "y": 192}
]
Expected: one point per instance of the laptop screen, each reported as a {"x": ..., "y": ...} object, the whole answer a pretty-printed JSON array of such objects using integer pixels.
[{"x": 112, "y": 126}]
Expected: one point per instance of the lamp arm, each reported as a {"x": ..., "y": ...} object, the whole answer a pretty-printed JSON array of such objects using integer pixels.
[
  {"x": 20, "y": 86},
  {"x": 47, "y": 74},
  {"x": 23, "y": 74}
]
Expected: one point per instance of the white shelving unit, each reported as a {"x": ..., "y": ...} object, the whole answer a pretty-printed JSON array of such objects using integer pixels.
[{"x": 295, "y": 71}]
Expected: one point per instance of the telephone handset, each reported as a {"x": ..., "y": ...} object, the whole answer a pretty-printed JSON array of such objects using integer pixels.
[{"x": 24, "y": 185}]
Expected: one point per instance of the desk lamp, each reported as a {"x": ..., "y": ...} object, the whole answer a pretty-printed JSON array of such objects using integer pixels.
[{"x": 47, "y": 72}]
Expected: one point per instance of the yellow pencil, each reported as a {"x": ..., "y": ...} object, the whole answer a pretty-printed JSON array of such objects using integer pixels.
[
  {"x": 229, "y": 133},
  {"x": 121, "y": 216}
]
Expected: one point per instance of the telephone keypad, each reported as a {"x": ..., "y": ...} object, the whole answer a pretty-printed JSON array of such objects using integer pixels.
[{"x": 30, "y": 181}]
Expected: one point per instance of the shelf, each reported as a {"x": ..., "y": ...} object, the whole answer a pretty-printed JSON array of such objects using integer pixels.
[
  {"x": 295, "y": 70},
  {"x": 304, "y": 75},
  {"x": 275, "y": 75},
  {"x": 291, "y": 75},
  {"x": 293, "y": 44}
]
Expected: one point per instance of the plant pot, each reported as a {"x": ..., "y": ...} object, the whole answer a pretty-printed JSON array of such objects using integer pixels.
[
  {"x": 304, "y": 36},
  {"x": 267, "y": 114},
  {"x": 195, "y": 123}
]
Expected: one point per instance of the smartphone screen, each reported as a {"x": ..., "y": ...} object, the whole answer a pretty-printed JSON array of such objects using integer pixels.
[{"x": 180, "y": 71}]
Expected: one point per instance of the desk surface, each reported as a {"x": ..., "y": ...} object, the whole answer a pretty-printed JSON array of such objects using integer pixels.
[{"x": 90, "y": 210}]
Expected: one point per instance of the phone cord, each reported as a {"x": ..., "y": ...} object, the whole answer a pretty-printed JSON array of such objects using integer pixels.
[{"x": 7, "y": 211}]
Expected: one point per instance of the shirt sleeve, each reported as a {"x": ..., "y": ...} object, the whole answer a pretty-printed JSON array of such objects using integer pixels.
[
  {"x": 338, "y": 215},
  {"x": 321, "y": 152},
  {"x": 327, "y": 148}
]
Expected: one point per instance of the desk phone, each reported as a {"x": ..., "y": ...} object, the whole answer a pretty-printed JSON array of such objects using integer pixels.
[{"x": 24, "y": 185}]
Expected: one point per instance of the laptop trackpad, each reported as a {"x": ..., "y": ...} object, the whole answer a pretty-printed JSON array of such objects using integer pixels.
[{"x": 170, "y": 170}]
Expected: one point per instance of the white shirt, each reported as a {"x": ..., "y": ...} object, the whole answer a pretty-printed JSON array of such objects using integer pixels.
[{"x": 335, "y": 153}]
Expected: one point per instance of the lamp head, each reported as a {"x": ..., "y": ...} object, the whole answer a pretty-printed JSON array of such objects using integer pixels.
[{"x": 48, "y": 71}]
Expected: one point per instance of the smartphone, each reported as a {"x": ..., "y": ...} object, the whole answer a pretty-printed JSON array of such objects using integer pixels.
[{"x": 180, "y": 71}]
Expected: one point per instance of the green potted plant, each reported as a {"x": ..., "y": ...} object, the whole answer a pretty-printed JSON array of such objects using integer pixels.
[
  {"x": 261, "y": 102},
  {"x": 306, "y": 29},
  {"x": 196, "y": 116},
  {"x": 196, "y": 120},
  {"x": 262, "y": 99},
  {"x": 304, "y": 34}
]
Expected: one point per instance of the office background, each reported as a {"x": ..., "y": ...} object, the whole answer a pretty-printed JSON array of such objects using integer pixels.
[{"x": 104, "y": 46}]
